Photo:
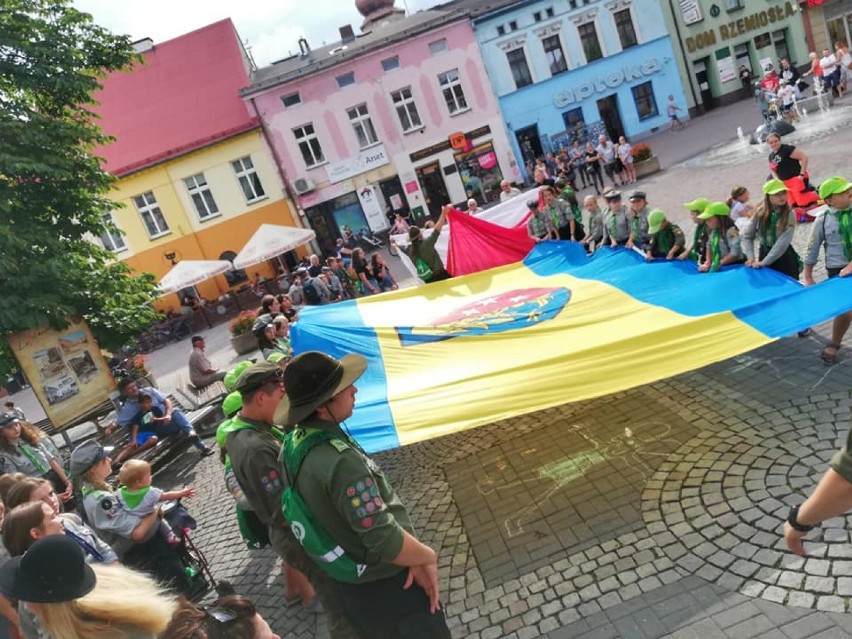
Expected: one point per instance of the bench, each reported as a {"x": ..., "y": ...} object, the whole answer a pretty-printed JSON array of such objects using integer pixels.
[{"x": 196, "y": 397}]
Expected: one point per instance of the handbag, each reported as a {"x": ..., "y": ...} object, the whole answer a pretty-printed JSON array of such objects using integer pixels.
[{"x": 802, "y": 85}]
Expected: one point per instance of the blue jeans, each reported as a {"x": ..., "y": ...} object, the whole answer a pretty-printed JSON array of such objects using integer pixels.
[{"x": 179, "y": 424}]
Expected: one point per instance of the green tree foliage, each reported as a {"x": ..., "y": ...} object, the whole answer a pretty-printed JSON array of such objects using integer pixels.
[{"x": 52, "y": 188}]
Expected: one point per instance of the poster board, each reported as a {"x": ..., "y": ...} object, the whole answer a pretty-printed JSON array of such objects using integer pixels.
[
  {"x": 690, "y": 11},
  {"x": 66, "y": 370},
  {"x": 725, "y": 65}
]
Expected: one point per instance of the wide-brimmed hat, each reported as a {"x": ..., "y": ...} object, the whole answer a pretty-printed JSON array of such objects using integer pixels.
[
  {"x": 413, "y": 232},
  {"x": 313, "y": 378},
  {"x": 52, "y": 570},
  {"x": 85, "y": 456}
]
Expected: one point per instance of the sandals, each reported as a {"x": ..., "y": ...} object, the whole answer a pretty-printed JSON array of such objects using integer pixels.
[{"x": 828, "y": 358}]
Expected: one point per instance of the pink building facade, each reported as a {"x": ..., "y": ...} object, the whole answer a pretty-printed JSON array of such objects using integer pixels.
[{"x": 400, "y": 119}]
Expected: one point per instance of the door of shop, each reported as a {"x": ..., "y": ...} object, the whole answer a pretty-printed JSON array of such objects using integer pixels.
[
  {"x": 529, "y": 143},
  {"x": 703, "y": 81},
  {"x": 394, "y": 196},
  {"x": 432, "y": 183},
  {"x": 608, "y": 108}
]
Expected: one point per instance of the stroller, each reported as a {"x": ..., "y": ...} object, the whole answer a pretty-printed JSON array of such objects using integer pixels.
[{"x": 195, "y": 564}]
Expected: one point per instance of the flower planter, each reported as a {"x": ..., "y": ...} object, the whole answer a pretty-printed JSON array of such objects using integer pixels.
[
  {"x": 245, "y": 343},
  {"x": 647, "y": 167}
]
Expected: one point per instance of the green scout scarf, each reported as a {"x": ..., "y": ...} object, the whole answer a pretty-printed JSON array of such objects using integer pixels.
[
  {"x": 769, "y": 231},
  {"x": 665, "y": 239},
  {"x": 699, "y": 232},
  {"x": 132, "y": 498},
  {"x": 539, "y": 225},
  {"x": 34, "y": 458},
  {"x": 715, "y": 249},
  {"x": 844, "y": 221}
]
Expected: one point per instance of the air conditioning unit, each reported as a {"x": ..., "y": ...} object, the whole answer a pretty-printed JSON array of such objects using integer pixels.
[{"x": 303, "y": 185}]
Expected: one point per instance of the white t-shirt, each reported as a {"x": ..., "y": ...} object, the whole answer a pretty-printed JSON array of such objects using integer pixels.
[
  {"x": 787, "y": 94},
  {"x": 828, "y": 64},
  {"x": 737, "y": 209}
]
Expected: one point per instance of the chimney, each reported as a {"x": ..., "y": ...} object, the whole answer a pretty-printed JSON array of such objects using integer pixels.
[
  {"x": 143, "y": 45},
  {"x": 304, "y": 48},
  {"x": 347, "y": 34}
]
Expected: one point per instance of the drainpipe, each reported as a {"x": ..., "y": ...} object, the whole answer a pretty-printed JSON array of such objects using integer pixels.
[{"x": 683, "y": 55}]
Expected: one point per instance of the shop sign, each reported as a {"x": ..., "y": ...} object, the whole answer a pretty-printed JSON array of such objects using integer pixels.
[
  {"x": 446, "y": 145},
  {"x": 458, "y": 140},
  {"x": 487, "y": 160},
  {"x": 412, "y": 186},
  {"x": 736, "y": 28},
  {"x": 606, "y": 83},
  {"x": 690, "y": 11},
  {"x": 372, "y": 158},
  {"x": 328, "y": 193},
  {"x": 371, "y": 202}
]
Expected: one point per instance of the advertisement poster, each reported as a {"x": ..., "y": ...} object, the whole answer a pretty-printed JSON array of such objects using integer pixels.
[
  {"x": 725, "y": 65},
  {"x": 690, "y": 11},
  {"x": 372, "y": 202},
  {"x": 352, "y": 217},
  {"x": 66, "y": 370}
]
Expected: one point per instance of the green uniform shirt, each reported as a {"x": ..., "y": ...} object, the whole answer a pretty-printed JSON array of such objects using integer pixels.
[
  {"x": 426, "y": 251},
  {"x": 665, "y": 239},
  {"x": 352, "y": 500}
]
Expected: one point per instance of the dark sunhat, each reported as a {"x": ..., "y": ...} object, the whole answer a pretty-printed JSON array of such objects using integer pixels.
[
  {"x": 52, "y": 570},
  {"x": 312, "y": 379}
]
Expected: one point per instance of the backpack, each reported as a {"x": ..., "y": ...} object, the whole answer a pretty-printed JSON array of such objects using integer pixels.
[
  {"x": 321, "y": 547},
  {"x": 312, "y": 296},
  {"x": 423, "y": 270}
]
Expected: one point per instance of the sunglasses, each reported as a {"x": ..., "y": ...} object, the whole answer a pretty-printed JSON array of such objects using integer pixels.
[{"x": 218, "y": 620}]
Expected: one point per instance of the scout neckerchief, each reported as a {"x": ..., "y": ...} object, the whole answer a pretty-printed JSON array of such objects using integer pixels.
[
  {"x": 30, "y": 454},
  {"x": 715, "y": 249},
  {"x": 634, "y": 226},
  {"x": 665, "y": 239},
  {"x": 614, "y": 224},
  {"x": 696, "y": 239},
  {"x": 769, "y": 231},
  {"x": 844, "y": 222},
  {"x": 539, "y": 225}
]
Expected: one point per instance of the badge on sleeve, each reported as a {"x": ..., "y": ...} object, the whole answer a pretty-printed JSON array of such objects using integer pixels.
[{"x": 364, "y": 498}]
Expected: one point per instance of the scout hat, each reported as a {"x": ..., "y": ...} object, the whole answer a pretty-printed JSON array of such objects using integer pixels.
[
  {"x": 52, "y": 570},
  {"x": 262, "y": 323},
  {"x": 612, "y": 195},
  {"x": 698, "y": 204},
  {"x": 774, "y": 186},
  {"x": 637, "y": 195},
  {"x": 655, "y": 220},
  {"x": 85, "y": 456},
  {"x": 7, "y": 419},
  {"x": 232, "y": 404},
  {"x": 256, "y": 376},
  {"x": 313, "y": 378},
  {"x": 232, "y": 375},
  {"x": 532, "y": 204},
  {"x": 833, "y": 186},
  {"x": 715, "y": 209}
]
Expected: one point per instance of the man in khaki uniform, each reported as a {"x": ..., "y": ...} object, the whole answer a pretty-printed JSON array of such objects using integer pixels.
[{"x": 394, "y": 591}]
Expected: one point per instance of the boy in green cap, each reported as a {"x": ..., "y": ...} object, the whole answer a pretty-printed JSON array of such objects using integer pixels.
[
  {"x": 723, "y": 238},
  {"x": 699, "y": 236},
  {"x": 666, "y": 239},
  {"x": 835, "y": 232}
]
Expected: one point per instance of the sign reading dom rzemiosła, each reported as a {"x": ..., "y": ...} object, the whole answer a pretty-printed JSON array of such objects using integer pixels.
[
  {"x": 605, "y": 83},
  {"x": 739, "y": 27}
]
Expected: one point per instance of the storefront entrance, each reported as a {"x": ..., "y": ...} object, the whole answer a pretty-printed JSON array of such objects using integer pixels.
[
  {"x": 391, "y": 189},
  {"x": 480, "y": 173},
  {"x": 703, "y": 80},
  {"x": 432, "y": 184},
  {"x": 608, "y": 108},
  {"x": 529, "y": 143}
]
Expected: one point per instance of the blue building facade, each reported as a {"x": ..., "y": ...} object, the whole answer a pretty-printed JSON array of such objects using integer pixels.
[{"x": 574, "y": 69}]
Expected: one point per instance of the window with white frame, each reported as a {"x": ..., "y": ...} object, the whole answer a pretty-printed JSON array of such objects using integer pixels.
[
  {"x": 554, "y": 54},
  {"x": 518, "y": 65},
  {"x": 624, "y": 26},
  {"x": 111, "y": 239},
  {"x": 152, "y": 216},
  {"x": 589, "y": 39},
  {"x": 362, "y": 125},
  {"x": 309, "y": 145},
  {"x": 406, "y": 109},
  {"x": 438, "y": 46},
  {"x": 453, "y": 91},
  {"x": 248, "y": 178},
  {"x": 202, "y": 196}
]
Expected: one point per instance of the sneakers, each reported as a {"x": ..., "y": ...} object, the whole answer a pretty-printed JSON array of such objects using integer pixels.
[{"x": 206, "y": 452}]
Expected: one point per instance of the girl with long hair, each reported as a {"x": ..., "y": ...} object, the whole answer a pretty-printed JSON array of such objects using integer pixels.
[
  {"x": 773, "y": 224},
  {"x": 723, "y": 240},
  {"x": 270, "y": 305},
  {"x": 23, "y": 449},
  {"x": 741, "y": 210},
  {"x": 232, "y": 616},
  {"x": 382, "y": 273},
  {"x": 364, "y": 271}
]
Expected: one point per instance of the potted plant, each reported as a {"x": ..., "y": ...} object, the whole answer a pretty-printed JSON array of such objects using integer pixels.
[
  {"x": 242, "y": 339},
  {"x": 138, "y": 369},
  {"x": 644, "y": 160}
]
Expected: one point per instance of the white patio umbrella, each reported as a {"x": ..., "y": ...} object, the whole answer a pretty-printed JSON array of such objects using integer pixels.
[
  {"x": 269, "y": 241},
  {"x": 191, "y": 272}
]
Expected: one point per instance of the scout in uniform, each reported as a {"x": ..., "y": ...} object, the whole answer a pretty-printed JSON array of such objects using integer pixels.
[
  {"x": 773, "y": 223},
  {"x": 350, "y": 519},
  {"x": 639, "y": 211},
  {"x": 667, "y": 239},
  {"x": 539, "y": 226},
  {"x": 559, "y": 212},
  {"x": 22, "y": 452},
  {"x": 616, "y": 220},
  {"x": 132, "y": 537},
  {"x": 567, "y": 194},
  {"x": 696, "y": 251},
  {"x": 596, "y": 224},
  {"x": 253, "y": 444},
  {"x": 723, "y": 238},
  {"x": 835, "y": 232}
]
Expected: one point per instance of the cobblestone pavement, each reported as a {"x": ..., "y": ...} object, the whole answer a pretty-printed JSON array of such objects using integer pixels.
[{"x": 649, "y": 513}]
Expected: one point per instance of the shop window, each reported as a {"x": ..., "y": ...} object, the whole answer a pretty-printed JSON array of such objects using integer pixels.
[
  {"x": 152, "y": 216},
  {"x": 573, "y": 119},
  {"x": 202, "y": 197},
  {"x": 406, "y": 110},
  {"x": 624, "y": 26},
  {"x": 346, "y": 79},
  {"x": 480, "y": 173},
  {"x": 589, "y": 39},
  {"x": 453, "y": 92},
  {"x": 390, "y": 64},
  {"x": 359, "y": 117},
  {"x": 779, "y": 40},
  {"x": 309, "y": 145},
  {"x": 291, "y": 100},
  {"x": 234, "y": 276},
  {"x": 248, "y": 179},
  {"x": 438, "y": 46},
  {"x": 111, "y": 239},
  {"x": 733, "y": 5},
  {"x": 554, "y": 54},
  {"x": 646, "y": 104},
  {"x": 741, "y": 56},
  {"x": 762, "y": 41},
  {"x": 520, "y": 69}
]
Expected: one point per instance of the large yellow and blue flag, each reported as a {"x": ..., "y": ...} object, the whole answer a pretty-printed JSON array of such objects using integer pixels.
[{"x": 558, "y": 327}]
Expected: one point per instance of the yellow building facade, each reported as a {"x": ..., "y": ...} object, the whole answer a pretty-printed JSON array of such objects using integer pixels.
[{"x": 204, "y": 205}]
